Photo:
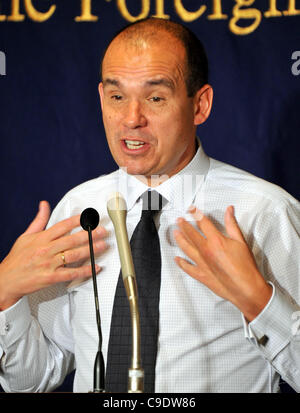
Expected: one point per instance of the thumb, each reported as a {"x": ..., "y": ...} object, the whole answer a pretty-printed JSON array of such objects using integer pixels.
[
  {"x": 40, "y": 221},
  {"x": 232, "y": 228}
]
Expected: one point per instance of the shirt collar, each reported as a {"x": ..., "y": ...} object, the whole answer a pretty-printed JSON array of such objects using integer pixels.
[{"x": 179, "y": 190}]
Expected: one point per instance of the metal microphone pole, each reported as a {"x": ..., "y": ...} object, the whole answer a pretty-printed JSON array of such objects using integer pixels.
[
  {"x": 117, "y": 210},
  {"x": 89, "y": 220}
]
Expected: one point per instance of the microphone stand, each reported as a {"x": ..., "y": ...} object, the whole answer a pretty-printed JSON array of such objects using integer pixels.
[
  {"x": 117, "y": 210},
  {"x": 135, "y": 372},
  {"x": 99, "y": 367},
  {"x": 89, "y": 220}
]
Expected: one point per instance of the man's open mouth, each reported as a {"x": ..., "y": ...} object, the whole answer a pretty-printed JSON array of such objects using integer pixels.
[{"x": 133, "y": 144}]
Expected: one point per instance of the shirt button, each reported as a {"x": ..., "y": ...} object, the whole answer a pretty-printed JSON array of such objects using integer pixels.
[
  {"x": 263, "y": 340},
  {"x": 6, "y": 327}
]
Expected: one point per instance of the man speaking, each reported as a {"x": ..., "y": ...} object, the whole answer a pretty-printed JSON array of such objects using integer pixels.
[{"x": 216, "y": 258}]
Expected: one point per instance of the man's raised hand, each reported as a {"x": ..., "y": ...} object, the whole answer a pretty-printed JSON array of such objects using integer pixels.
[
  {"x": 36, "y": 259},
  {"x": 224, "y": 264}
]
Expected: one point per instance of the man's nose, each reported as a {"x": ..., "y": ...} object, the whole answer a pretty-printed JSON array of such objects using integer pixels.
[{"x": 134, "y": 116}]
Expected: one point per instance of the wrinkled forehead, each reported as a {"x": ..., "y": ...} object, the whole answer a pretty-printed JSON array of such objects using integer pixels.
[{"x": 141, "y": 56}]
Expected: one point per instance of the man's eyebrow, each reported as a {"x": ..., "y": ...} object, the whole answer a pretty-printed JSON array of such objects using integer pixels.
[
  {"x": 162, "y": 81},
  {"x": 151, "y": 82},
  {"x": 112, "y": 82}
]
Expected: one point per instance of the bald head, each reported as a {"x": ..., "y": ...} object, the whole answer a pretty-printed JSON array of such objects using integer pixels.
[
  {"x": 143, "y": 33},
  {"x": 150, "y": 30}
]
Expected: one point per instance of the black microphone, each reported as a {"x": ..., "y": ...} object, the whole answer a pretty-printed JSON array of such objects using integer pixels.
[{"x": 89, "y": 220}]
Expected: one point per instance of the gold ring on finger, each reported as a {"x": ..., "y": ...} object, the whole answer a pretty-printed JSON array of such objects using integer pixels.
[{"x": 63, "y": 258}]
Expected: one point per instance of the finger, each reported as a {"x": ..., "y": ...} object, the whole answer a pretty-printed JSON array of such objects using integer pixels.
[
  {"x": 63, "y": 227},
  {"x": 187, "y": 246},
  {"x": 190, "y": 232},
  {"x": 75, "y": 240},
  {"x": 79, "y": 254},
  {"x": 187, "y": 267},
  {"x": 40, "y": 221},
  {"x": 204, "y": 223},
  {"x": 69, "y": 274},
  {"x": 231, "y": 225},
  {"x": 69, "y": 242}
]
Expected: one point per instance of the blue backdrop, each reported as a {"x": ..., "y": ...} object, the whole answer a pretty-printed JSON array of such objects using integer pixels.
[{"x": 52, "y": 137}]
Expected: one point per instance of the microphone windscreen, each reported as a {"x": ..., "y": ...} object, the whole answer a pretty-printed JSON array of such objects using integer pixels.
[
  {"x": 89, "y": 218},
  {"x": 116, "y": 202}
]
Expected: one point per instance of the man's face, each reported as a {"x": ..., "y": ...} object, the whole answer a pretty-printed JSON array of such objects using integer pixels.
[{"x": 147, "y": 115}]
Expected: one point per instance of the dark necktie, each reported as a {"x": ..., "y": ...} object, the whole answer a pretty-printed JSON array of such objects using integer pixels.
[{"x": 147, "y": 262}]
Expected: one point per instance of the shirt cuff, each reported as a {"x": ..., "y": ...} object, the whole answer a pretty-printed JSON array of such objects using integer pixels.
[
  {"x": 14, "y": 321},
  {"x": 273, "y": 328}
]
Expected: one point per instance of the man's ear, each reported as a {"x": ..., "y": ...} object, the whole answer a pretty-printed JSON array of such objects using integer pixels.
[
  {"x": 100, "y": 90},
  {"x": 202, "y": 104}
]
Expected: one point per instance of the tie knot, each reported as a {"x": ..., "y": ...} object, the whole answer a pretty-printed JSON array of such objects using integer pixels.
[{"x": 152, "y": 203}]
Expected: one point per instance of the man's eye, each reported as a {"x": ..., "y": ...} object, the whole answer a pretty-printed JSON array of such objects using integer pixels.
[
  {"x": 156, "y": 99},
  {"x": 116, "y": 97}
]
